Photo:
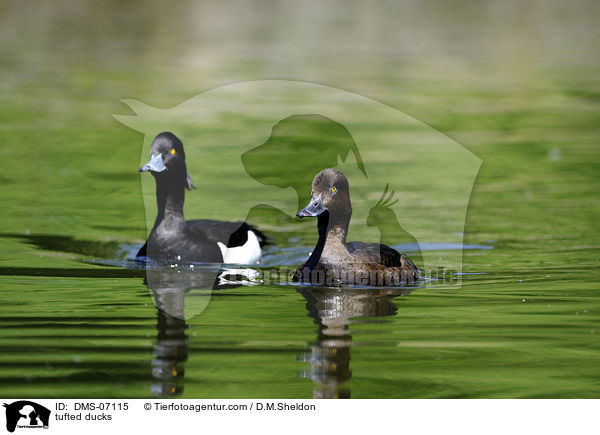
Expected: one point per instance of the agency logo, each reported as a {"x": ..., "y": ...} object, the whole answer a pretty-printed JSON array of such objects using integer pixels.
[
  {"x": 253, "y": 149},
  {"x": 25, "y": 414}
]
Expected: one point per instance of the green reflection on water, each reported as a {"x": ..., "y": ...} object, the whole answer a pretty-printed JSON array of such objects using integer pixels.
[{"x": 521, "y": 94}]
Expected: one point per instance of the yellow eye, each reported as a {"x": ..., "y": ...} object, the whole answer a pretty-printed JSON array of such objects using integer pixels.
[
  {"x": 172, "y": 151},
  {"x": 333, "y": 189}
]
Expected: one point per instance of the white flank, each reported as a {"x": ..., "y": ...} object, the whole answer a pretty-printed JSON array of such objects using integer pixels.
[{"x": 248, "y": 253}]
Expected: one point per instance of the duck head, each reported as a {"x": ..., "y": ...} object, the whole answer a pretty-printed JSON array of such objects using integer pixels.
[
  {"x": 330, "y": 195},
  {"x": 167, "y": 159}
]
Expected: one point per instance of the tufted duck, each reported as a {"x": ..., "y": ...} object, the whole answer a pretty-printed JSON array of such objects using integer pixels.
[
  {"x": 335, "y": 262},
  {"x": 174, "y": 238}
]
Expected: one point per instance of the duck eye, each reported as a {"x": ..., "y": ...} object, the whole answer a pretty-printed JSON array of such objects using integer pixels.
[
  {"x": 333, "y": 189},
  {"x": 172, "y": 151}
]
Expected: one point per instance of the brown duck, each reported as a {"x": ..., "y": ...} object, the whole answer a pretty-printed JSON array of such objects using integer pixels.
[{"x": 335, "y": 262}]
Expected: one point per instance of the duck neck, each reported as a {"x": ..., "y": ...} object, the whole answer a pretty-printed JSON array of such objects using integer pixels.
[
  {"x": 331, "y": 246},
  {"x": 170, "y": 195}
]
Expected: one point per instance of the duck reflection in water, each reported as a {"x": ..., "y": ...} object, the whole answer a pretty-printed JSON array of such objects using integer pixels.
[
  {"x": 333, "y": 309},
  {"x": 170, "y": 353},
  {"x": 174, "y": 302}
]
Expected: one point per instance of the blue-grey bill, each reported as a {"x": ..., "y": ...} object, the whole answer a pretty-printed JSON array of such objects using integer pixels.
[
  {"x": 314, "y": 208},
  {"x": 155, "y": 164}
]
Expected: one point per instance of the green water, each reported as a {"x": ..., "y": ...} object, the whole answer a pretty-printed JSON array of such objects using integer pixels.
[{"x": 515, "y": 84}]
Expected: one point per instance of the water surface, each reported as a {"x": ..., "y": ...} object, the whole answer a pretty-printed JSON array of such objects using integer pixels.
[{"x": 516, "y": 84}]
